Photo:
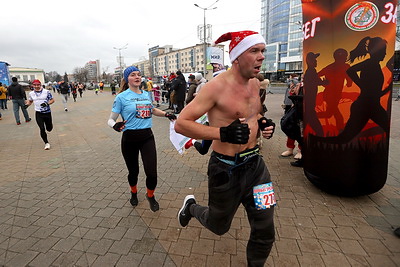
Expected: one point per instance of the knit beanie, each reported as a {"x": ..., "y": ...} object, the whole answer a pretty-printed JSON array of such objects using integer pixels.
[{"x": 128, "y": 71}]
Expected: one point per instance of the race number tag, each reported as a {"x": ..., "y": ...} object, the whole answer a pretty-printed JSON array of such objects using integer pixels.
[
  {"x": 143, "y": 111},
  {"x": 264, "y": 196}
]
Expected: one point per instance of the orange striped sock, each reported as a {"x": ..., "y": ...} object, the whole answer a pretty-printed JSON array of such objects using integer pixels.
[
  {"x": 150, "y": 193},
  {"x": 134, "y": 189}
]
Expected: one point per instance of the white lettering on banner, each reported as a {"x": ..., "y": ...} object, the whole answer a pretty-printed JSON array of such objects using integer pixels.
[
  {"x": 309, "y": 28},
  {"x": 391, "y": 14}
]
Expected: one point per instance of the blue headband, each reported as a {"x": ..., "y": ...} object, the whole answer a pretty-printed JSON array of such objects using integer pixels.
[{"x": 128, "y": 71}]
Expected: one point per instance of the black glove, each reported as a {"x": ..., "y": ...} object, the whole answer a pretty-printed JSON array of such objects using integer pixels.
[
  {"x": 235, "y": 133},
  {"x": 264, "y": 123},
  {"x": 44, "y": 104},
  {"x": 170, "y": 116},
  {"x": 118, "y": 126}
]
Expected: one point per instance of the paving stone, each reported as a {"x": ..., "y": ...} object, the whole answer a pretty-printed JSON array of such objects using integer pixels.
[
  {"x": 68, "y": 259},
  {"x": 344, "y": 232},
  {"x": 144, "y": 245},
  {"x": 310, "y": 259},
  {"x": 74, "y": 210},
  {"x": 64, "y": 232},
  {"x": 44, "y": 245},
  {"x": 96, "y": 233},
  {"x": 335, "y": 259},
  {"x": 289, "y": 246},
  {"x": 194, "y": 260},
  {"x": 351, "y": 247},
  {"x": 65, "y": 245},
  {"x": 45, "y": 259},
  {"x": 115, "y": 233},
  {"x": 22, "y": 259},
  {"x": 308, "y": 245},
  {"x": 132, "y": 259},
  {"x": 23, "y": 245},
  {"x": 181, "y": 248},
  {"x": 109, "y": 259}
]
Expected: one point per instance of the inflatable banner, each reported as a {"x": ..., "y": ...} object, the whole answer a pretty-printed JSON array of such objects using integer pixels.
[{"x": 348, "y": 56}]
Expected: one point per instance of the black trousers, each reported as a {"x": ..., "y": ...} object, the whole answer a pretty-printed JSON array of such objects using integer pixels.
[
  {"x": 133, "y": 142},
  {"x": 228, "y": 188},
  {"x": 44, "y": 121},
  {"x": 180, "y": 106}
]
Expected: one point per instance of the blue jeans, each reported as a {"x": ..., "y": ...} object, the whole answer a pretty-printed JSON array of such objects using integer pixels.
[
  {"x": 17, "y": 103},
  {"x": 3, "y": 103}
]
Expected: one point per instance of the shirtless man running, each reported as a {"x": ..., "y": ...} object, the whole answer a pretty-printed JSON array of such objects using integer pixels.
[{"x": 237, "y": 173}]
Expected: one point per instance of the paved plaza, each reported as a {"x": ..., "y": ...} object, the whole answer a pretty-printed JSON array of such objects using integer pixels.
[{"x": 69, "y": 206}]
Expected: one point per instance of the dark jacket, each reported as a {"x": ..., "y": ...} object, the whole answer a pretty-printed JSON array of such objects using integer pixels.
[
  {"x": 192, "y": 90},
  {"x": 64, "y": 88},
  {"x": 15, "y": 91},
  {"x": 179, "y": 86}
]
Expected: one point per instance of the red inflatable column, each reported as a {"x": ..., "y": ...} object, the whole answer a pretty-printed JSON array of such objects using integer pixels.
[{"x": 348, "y": 56}]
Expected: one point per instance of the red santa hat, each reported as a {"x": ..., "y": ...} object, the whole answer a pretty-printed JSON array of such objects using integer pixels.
[{"x": 240, "y": 42}]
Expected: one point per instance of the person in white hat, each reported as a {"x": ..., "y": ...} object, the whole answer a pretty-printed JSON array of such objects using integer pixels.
[{"x": 237, "y": 173}]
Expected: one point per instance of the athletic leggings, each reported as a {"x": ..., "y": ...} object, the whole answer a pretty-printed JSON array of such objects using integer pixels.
[
  {"x": 44, "y": 122},
  {"x": 142, "y": 140}
]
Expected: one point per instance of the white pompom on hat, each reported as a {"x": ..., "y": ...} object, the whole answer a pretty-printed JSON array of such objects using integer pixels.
[{"x": 240, "y": 42}]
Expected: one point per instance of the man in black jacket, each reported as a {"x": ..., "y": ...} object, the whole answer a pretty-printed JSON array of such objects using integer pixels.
[
  {"x": 64, "y": 90},
  {"x": 179, "y": 86},
  {"x": 18, "y": 97}
]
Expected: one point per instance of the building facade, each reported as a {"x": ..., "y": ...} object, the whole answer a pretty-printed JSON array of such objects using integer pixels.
[
  {"x": 27, "y": 74},
  {"x": 281, "y": 22},
  {"x": 165, "y": 60},
  {"x": 93, "y": 68}
]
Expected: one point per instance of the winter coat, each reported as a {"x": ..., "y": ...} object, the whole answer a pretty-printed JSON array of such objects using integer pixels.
[
  {"x": 3, "y": 92},
  {"x": 200, "y": 84},
  {"x": 192, "y": 90},
  {"x": 64, "y": 88},
  {"x": 179, "y": 86},
  {"x": 15, "y": 91}
]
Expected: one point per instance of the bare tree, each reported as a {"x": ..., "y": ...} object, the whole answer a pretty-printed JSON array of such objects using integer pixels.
[
  {"x": 81, "y": 74},
  {"x": 52, "y": 76}
]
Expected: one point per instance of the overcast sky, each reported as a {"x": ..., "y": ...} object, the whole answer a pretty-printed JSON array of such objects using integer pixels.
[{"x": 60, "y": 35}]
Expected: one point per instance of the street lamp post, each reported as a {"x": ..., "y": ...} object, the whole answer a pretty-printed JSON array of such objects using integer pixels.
[
  {"x": 204, "y": 34},
  {"x": 119, "y": 58}
]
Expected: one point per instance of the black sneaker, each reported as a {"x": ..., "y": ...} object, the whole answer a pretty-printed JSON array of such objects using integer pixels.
[
  {"x": 297, "y": 163},
  {"x": 134, "y": 200},
  {"x": 153, "y": 203},
  {"x": 397, "y": 232},
  {"x": 184, "y": 215}
]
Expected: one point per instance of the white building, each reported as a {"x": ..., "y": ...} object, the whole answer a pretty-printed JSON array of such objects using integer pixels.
[{"x": 27, "y": 74}]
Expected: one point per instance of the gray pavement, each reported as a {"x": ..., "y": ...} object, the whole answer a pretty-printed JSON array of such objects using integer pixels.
[{"x": 69, "y": 206}]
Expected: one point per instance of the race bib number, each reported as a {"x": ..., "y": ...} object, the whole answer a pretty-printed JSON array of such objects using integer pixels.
[
  {"x": 143, "y": 111},
  {"x": 264, "y": 196}
]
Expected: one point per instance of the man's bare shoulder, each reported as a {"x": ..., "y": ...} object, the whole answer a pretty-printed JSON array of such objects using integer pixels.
[{"x": 220, "y": 83}]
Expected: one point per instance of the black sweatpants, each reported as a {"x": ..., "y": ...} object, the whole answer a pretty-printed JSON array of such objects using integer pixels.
[
  {"x": 227, "y": 189},
  {"x": 44, "y": 121},
  {"x": 142, "y": 140}
]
